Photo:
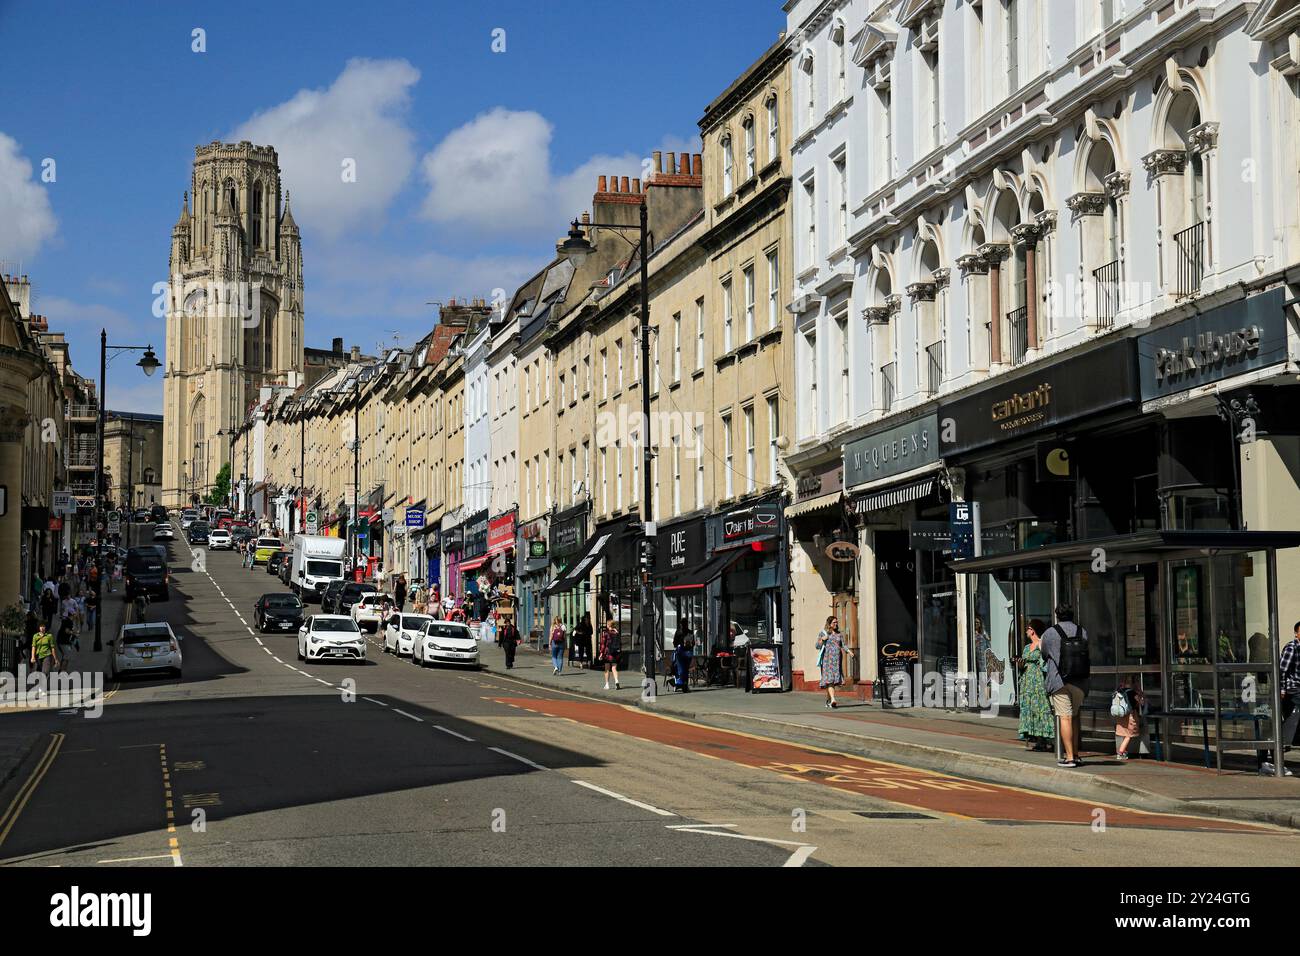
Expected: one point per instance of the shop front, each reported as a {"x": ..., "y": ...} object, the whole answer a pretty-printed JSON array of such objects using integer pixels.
[
  {"x": 894, "y": 485},
  {"x": 568, "y": 538},
  {"x": 682, "y": 576},
  {"x": 751, "y": 603},
  {"x": 453, "y": 545},
  {"x": 493, "y": 572},
  {"x": 534, "y": 573},
  {"x": 474, "y": 582},
  {"x": 608, "y": 556}
]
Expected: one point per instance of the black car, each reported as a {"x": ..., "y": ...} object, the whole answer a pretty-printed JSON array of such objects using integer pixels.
[
  {"x": 342, "y": 595},
  {"x": 277, "y": 612},
  {"x": 286, "y": 569},
  {"x": 158, "y": 513},
  {"x": 146, "y": 573},
  {"x": 198, "y": 532},
  {"x": 274, "y": 562}
]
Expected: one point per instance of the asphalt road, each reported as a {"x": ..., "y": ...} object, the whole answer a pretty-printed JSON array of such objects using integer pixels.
[{"x": 254, "y": 758}]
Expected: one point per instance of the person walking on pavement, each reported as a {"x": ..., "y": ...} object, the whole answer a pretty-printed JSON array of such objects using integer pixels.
[
  {"x": 611, "y": 646},
  {"x": 1065, "y": 657},
  {"x": 582, "y": 637},
  {"x": 1289, "y": 671},
  {"x": 92, "y": 609},
  {"x": 557, "y": 645},
  {"x": 683, "y": 651},
  {"x": 1037, "y": 728},
  {"x": 830, "y": 659},
  {"x": 44, "y": 655},
  {"x": 508, "y": 638},
  {"x": 49, "y": 603}
]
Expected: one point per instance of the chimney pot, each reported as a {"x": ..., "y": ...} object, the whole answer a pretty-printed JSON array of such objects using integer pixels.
[
  {"x": 600, "y": 184},
  {"x": 586, "y": 216},
  {"x": 636, "y": 185},
  {"x": 626, "y": 185},
  {"x": 613, "y": 184},
  {"x": 659, "y": 161},
  {"x": 698, "y": 164},
  {"x": 671, "y": 165}
]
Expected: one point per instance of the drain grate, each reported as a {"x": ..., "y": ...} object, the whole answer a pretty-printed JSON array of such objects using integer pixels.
[{"x": 892, "y": 815}]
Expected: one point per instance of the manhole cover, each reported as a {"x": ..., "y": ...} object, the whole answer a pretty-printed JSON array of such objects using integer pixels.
[{"x": 892, "y": 815}]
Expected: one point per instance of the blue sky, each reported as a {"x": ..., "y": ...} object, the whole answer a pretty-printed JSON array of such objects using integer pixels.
[{"x": 468, "y": 161}]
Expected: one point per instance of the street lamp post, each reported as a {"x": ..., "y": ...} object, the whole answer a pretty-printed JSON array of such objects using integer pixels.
[
  {"x": 576, "y": 247},
  {"x": 149, "y": 362}
]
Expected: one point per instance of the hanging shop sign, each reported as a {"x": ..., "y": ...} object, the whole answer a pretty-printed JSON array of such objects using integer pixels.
[
  {"x": 1233, "y": 338},
  {"x": 843, "y": 551},
  {"x": 680, "y": 547},
  {"x": 892, "y": 451},
  {"x": 501, "y": 533},
  {"x": 751, "y": 522},
  {"x": 963, "y": 525},
  {"x": 568, "y": 533},
  {"x": 1043, "y": 398},
  {"x": 414, "y": 517},
  {"x": 537, "y": 549}
]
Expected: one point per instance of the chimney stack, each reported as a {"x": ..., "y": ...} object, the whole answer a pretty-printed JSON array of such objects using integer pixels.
[
  {"x": 659, "y": 161},
  {"x": 356, "y": 353}
]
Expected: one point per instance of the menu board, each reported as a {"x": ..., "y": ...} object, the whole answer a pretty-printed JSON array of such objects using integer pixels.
[
  {"x": 764, "y": 668},
  {"x": 1135, "y": 614}
]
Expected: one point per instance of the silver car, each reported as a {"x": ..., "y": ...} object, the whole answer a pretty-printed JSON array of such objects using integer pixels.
[{"x": 152, "y": 646}]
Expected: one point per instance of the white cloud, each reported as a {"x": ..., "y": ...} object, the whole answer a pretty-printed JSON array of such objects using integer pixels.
[
  {"x": 24, "y": 205},
  {"x": 67, "y": 314},
  {"x": 494, "y": 176},
  {"x": 360, "y": 117}
]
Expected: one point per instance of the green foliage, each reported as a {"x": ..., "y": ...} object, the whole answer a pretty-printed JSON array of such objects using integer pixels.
[{"x": 221, "y": 487}]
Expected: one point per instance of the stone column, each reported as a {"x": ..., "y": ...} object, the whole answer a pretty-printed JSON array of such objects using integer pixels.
[
  {"x": 17, "y": 369},
  {"x": 994, "y": 253}
]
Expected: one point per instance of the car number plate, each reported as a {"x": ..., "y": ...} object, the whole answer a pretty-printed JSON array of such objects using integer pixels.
[{"x": 146, "y": 654}]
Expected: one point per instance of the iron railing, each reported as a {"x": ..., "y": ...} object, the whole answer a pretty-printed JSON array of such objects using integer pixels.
[
  {"x": 934, "y": 365},
  {"x": 1018, "y": 328},
  {"x": 80, "y": 412},
  {"x": 1191, "y": 259},
  {"x": 1107, "y": 282},
  {"x": 888, "y": 384}
]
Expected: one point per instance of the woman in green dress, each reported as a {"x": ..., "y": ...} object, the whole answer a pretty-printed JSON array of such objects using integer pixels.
[{"x": 1037, "y": 726}]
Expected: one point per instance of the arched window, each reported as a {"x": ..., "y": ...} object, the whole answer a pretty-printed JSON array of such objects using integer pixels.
[
  {"x": 930, "y": 301},
  {"x": 727, "y": 161},
  {"x": 841, "y": 62},
  {"x": 257, "y": 215},
  {"x": 1181, "y": 170},
  {"x": 809, "y": 68},
  {"x": 881, "y": 316},
  {"x": 751, "y": 160},
  {"x": 773, "y": 128}
]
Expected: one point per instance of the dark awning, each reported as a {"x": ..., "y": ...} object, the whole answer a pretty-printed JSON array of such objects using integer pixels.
[
  {"x": 1145, "y": 542},
  {"x": 702, "y": 575},
  {"x": 892, "y": 497},
  {"x": 578, "y": 571}
]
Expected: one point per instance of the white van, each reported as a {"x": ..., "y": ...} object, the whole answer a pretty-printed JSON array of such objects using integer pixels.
[{"x": 317, "y": 560}]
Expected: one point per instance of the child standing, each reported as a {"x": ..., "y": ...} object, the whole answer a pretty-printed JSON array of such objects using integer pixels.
[{"x": 1129, "y": 726}]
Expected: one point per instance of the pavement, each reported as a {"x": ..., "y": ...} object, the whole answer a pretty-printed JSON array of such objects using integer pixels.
[{"x": 964, "y": 744}]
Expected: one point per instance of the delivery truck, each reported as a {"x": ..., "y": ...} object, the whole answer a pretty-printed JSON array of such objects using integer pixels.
[{"x": 317, "y": 560}]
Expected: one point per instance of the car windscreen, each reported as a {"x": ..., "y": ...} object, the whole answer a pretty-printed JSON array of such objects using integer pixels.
[
  {"x": 199, "y": 526},
  {"x": 282, "y": 601},
  {"x": 443, "y": 629},
  {"x": 269, "y": 543},
  {"x": 145, "y": 635},
  {"x": 325, "y": 569},
  {"x": 340, "y": 624},
  {"x": 414, "y": 622},
  {"x": 138, "y": 563}
]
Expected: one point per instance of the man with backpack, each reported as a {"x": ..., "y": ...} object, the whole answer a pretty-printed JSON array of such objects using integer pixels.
[{"x": 1065, "y": 656}]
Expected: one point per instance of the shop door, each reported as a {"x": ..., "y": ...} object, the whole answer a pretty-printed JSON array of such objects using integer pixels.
[
  {"x": 845, "y": 609},
  {"x": 1005, "y": 603}
]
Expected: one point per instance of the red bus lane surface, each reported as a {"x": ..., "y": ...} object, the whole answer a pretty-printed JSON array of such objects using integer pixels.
[{"x": 908, "y": 786}]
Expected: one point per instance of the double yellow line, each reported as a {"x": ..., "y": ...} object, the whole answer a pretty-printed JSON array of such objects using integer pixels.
[{"x": 15, "y": 808}]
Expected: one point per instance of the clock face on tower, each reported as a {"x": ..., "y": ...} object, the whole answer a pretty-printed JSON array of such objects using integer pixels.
[{"x": 194, "y": 303}]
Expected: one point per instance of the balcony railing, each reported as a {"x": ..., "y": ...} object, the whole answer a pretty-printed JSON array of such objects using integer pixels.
[
  {"x": 1018, "y": 329},
  {"x": 888, "y": 383},
  {"x": 934, "y": 366},
  {"x": 1107, "y": 282},
  {"x": 79, "y": 454},
  {"x": 75, "y": 412},
  {"x": 1190, "y": 244}
]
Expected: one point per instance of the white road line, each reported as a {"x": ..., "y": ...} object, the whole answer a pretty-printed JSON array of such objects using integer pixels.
[
  {"x": 373, "y": 701},
  {"x": 259, "y": 640},
  {"x": 619, "y": 796},
  {"x": 267, "y": 649},
  {"x": 742, "y": 836},
  {"x": 800, "y": 855},
  {"x": 276, "y": 659},
  {"x": 132, "y": 859},
  {"x": 405, "y": 714},
  {"x": 524, "y": 760},
  {"x": 691, "y": 826},
  {"x": 325, "y": 682},
  {"x": 448, "y": 730}
]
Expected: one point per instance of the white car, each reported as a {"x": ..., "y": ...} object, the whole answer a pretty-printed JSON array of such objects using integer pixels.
[
  {"x": 445, "y": 642},
  {"x": 163, "y": 532},
  {"x": 152, "y": 646},
  {"x": 330, "y": 636},
  {"x": 188, "y": 517},
  {"x": 219, "y": 539},
  {"x": 369, "y": 611},
  {"x": 402, "y": 631}
]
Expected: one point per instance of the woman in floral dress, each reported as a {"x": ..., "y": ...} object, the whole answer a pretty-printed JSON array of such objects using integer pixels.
[
  {"x": 1037, "y": 726},
  {"x": 830, "y": 643}
]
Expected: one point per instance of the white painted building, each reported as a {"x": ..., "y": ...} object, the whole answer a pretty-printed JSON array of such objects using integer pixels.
[
  {"x": 984, "y": 188},
  {"x": 503, "y": 413},
  {"x": 478, "y": 453}
]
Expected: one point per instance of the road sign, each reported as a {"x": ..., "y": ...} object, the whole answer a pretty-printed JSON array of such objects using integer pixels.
[
  {"x": 63, "y": 503},
  {"x": 313, "y": 522}
]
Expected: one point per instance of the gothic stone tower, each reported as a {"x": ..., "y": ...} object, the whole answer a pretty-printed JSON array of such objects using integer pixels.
[{"x": 234, "y": 313}]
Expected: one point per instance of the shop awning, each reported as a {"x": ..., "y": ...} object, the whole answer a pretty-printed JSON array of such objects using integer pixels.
[
  {"x": 814, "y": 505},
  {"x": 578, "y": 571},
  {"x": 892, "y": 497},
  {"x": 473, "y": 564},
  {"x": 1129, "y": 545},
  {"x": 705, "y": 574}
]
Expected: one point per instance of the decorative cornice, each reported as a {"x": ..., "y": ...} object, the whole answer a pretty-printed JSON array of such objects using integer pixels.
[
  {"x": 973, "y": 264},
  {"x": 894, "y": 303},
  {"x": 1046, "y": 221},
  {"x": 942, "y": 278},
  {"x": 1203, "y": 138},
  {"x": 1117, "y": 184},
  {"x": 1026, "y": 234},
  {"x": 1160, "y": 162},
  {"x": 876, "y": 314},
  {"x": 922, "y": 291},
  {"x": 995, "y": 252},
  {"x": 1086, "y": 204}
]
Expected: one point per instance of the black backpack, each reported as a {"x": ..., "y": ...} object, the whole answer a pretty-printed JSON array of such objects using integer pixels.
[{"x": 1073, "y": 665}]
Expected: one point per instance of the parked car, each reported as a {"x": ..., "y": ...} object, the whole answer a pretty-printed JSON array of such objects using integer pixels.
[
  {"x": 219, "y": 539},
  {"x": 197, "y": 533},
  {"x": 266, "y": 546},
  {"x": 402, "y": 631},
  {"x": 445, "y": 642},
  {"x": 371, "y": 609},
  {"x": 275, "y": 560},
  {"x": 163, "y": 532},
  {"x": 145, "y": 647},
  {"x": 347, "y": 595},
  {"x": 146, "y": 573},
  {"x": 330, "y": 636},
  {"x": 277, "y": 611}
]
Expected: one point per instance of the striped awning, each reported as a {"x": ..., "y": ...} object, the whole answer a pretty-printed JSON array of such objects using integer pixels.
[
  {"x": 892, "y": 497},
  {"x": 813, "y": 505}
]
